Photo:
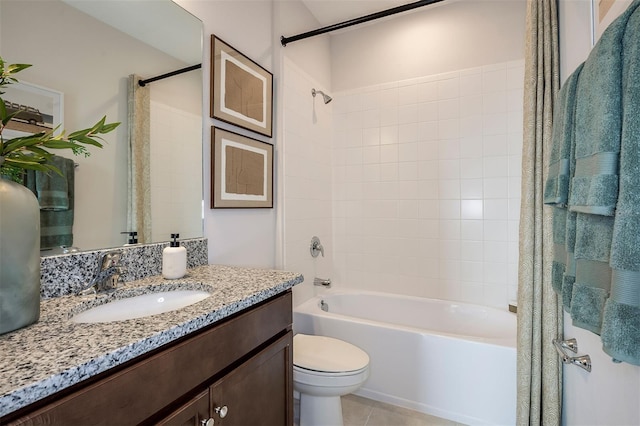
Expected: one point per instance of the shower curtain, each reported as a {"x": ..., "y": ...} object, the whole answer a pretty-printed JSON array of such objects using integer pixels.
[
  {"x": 139, "y": 182},
  {"x": 539, "y": 308}
]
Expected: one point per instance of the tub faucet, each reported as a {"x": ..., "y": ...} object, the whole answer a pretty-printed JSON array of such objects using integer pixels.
[
  {"x": 107, "y": 274},
  {"x": 323, "y": 282}
]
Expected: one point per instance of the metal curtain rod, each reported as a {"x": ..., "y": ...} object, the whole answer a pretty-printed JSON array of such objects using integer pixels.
[
  {"x": 143, "y": 83},
  {"x": 388, "y": 12}
]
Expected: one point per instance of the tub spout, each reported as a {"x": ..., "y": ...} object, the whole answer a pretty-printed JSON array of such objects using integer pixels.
[{"x": 324, "y": 282}]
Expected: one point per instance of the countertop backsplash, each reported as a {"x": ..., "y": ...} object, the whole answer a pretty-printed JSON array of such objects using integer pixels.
[{"x": 65, "y": 274}]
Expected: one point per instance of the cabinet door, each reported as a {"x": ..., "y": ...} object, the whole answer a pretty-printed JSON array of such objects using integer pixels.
[
  {"x": 193, "y": 413},
  {"x": 258, "y": 392}
]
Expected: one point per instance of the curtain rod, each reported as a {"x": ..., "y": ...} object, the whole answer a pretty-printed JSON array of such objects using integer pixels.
[
  {"x": 143, "y": 83},
  {"x": 388, "y": 12}
]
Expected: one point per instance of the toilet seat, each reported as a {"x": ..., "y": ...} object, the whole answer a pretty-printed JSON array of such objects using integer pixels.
[{"x": 327, "y": 356}]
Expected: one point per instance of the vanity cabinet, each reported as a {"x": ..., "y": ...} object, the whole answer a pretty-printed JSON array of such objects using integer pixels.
[{"x": 238, "y": 371}]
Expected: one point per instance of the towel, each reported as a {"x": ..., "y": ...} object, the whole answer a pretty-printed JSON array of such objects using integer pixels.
[
  {"x": 557, "y": 187},
  {"x": 600, "y": 284},
  {"x": 556, "y": 190},
  {"x": 621, "y": 322},
  {"x": 52, "y": 189},
  {"x": 599, "y": 123},
  {"x": 56, "y": 224}
]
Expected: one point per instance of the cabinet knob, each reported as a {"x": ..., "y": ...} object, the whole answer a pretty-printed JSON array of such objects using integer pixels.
[
  {"x": 207, "y": 422},
  {"x": 222, "y": 411}
]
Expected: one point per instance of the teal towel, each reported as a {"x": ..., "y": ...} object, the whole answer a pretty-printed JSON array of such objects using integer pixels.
[
  {"x": 557, "y": 187},
  {"x": 52, "y": 189},
  {"x": 556, "y": 190},
  {"x": 599, "y": 279},
  {"x": 599, "y": 123},
  {"x": 56, "y": 226},
  {"x": 621, "y": 327}
]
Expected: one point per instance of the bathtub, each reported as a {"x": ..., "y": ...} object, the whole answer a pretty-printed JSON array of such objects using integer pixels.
[{"x": 452, "y": 360}]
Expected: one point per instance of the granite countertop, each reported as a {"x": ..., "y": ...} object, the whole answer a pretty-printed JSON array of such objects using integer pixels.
[{"x": 55, "y": 353}]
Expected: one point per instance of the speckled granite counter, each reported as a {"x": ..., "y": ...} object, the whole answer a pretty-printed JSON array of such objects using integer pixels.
[{"x": 56, "y": 353}]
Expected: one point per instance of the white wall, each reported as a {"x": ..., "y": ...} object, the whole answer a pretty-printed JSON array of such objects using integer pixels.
[
  {"x": 236, "y": 236},
  {"x": 307, "y": 179},
  {"x": 427, "y": 152},
  {"x": 610, "y": 394},
  {"x": 452, "y": 35},
  {"x": 427, "y": 185}
]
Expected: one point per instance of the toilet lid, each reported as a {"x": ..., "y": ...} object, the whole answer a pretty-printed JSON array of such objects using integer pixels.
[{"x": 321, "y": 353}]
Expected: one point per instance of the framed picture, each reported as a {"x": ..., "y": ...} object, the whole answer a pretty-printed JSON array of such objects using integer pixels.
[
  {"x": 241, "y": 90},
  {"x": 603, "y": 13},
  {"x": 242, "y": 171},
  {"x": 41, "y": 109}
]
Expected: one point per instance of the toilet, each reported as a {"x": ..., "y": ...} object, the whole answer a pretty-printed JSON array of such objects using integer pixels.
[{"x": 324, "y": 369}]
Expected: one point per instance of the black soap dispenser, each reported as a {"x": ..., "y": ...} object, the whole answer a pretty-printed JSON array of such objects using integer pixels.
[{"x": 174, "y": 259}]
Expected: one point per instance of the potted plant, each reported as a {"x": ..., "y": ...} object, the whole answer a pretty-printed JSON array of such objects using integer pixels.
[{"x": 19, "y": 208}]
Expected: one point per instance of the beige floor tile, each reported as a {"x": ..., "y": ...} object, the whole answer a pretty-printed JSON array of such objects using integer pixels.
[{"x": 358, "y": 411}]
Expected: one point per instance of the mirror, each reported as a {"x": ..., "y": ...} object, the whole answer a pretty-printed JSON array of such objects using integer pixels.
[{"x": 89, "y": 61}]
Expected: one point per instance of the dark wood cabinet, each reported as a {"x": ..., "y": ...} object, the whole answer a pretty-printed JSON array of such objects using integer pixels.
[{"x": 244, "y": 362}]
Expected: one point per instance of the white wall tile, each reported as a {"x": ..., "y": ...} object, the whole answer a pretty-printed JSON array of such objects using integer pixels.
[{"x": 426, "y": 184}]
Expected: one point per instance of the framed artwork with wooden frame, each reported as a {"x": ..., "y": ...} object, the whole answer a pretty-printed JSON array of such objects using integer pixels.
[
  {"x": 241, "y": 171},
  {"x": 241, "y": 90}
]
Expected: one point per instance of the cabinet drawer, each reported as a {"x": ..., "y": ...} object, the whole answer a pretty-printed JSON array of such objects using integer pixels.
[{"x": 133, "y": 394}]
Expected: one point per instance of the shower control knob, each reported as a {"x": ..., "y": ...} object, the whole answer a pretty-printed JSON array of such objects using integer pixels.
[
  {"x": 222, "y": 411},
  {"x": 207, "y": 422}
]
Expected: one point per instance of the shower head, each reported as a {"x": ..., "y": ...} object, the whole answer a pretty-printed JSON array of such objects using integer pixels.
[{"x": 326, "y": 98}]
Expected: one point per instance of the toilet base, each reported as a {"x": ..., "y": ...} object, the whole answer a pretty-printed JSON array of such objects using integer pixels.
[{"x": 320, "y": 410}]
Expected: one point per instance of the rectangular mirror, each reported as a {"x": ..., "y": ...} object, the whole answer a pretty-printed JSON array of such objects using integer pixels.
[{"x": 89, "y": 61}]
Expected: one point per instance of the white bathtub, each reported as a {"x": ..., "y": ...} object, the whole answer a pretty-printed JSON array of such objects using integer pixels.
[{"x": 452, "y": 360}]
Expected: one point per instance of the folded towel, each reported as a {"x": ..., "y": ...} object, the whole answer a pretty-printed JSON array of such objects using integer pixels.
[
  {"x": 621, "y": 322},
  {"x": 56, "y": 225},
  {"x": 599, "y": 123},
  {"x": 52, "y": 189},
  {"x": 556, "y": 190}
]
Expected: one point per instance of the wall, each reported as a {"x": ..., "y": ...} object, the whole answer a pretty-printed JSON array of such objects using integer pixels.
[
  {"x": 427, "y": 152},
  {"x": 173, "y": 193},
  {"x": 256, "y": 237},
  {"x": 448, "y": 36},
  {"x": 307, "y": 179},
  {"x": 305, "y": 150},
  {"x": 427, "y": 185},
  {"x": 236, "y": 236},
  {"x": 610, "y": 394}
]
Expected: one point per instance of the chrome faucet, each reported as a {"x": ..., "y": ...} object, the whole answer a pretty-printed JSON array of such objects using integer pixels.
[
  {"x": 324, "y": 282},
  {"x": 107, "y": 274}
]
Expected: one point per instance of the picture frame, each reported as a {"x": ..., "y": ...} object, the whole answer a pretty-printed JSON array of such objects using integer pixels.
[
  {"x": 603, "y": 13},
  {"x": 241, "y": 90},
  {"x": 42, "y": 109},
  {"x": 241, "y": 171}
]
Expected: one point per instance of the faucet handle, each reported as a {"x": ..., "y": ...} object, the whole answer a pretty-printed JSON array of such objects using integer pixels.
[{"x": 316, "y": 247}]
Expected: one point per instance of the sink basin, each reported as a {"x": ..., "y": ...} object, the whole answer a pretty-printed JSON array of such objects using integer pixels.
[{"x": 140, "y": 306}]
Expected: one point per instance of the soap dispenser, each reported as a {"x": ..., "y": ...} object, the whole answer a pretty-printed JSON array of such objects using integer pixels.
[{"x": 174, "y": 260}]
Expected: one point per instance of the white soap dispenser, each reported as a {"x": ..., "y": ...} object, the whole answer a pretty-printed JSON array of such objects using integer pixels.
[{"x": 174, "y": 260}]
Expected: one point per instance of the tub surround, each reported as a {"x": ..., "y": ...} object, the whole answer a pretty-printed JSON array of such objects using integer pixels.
[
  {"x": 56, "y": 353},
  {"x": 64, "y": 274}
]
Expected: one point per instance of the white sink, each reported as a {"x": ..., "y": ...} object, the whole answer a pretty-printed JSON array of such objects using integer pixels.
[{"x": 140, "y": 306}]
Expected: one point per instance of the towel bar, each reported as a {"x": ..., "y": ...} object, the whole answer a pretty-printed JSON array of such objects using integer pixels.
[{"x": 583, "y": 361}]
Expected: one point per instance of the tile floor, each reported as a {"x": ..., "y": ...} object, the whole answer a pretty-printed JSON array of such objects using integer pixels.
[{"x": 358, "y": 411}]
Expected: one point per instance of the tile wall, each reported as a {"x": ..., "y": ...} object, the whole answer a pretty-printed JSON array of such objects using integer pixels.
[
  {"x": 426, "y": 185},
  {"x": 306, "y": 159}
]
